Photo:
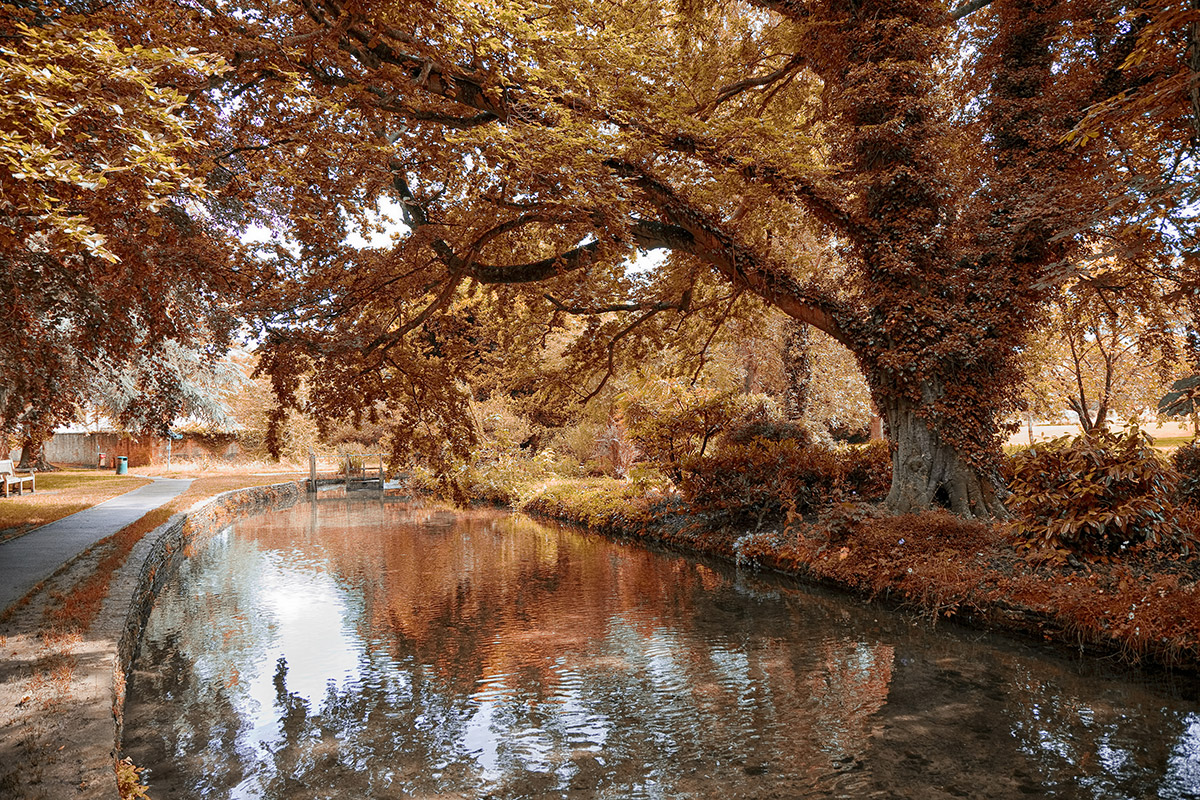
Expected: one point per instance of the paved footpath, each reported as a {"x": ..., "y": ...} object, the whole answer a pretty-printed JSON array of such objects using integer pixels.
[{"x": 31, "y": 558}]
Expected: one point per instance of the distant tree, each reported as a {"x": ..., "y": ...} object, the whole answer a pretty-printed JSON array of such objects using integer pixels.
[
  {"x": 1112, "y": 346},
  {"x": 171, "y": 383}
]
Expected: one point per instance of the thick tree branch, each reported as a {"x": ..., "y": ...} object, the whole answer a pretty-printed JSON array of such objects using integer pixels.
[
  {"x": 734, "y": 260},
  {"x": 798, "y": 9},
  {"x": 435, "y": 78},
  {"x": 734, "y": 89},
  {"x": 441, "y": 301},
  {"x": 967, "y": 9},
  {"x": 529, "y": 272},
  {"x": 586, "y": 311}
]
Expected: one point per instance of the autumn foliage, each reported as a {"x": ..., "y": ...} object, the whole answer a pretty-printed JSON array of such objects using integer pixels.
[
  {"x": 915, "y": 179},
  {"x": 770, "y": 478},
  {"x": 1097, "y": 494},
  {"x": 1185, "y": 461},
  {"x": 105, "y": 265},
  {"x": 899, "y": 175}
]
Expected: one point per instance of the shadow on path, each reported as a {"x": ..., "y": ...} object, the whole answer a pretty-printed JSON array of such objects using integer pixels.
[{"x": 35, "y": 556}]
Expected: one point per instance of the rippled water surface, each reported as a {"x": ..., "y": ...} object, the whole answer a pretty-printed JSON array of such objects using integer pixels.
[{"x": 362, "y": 649}]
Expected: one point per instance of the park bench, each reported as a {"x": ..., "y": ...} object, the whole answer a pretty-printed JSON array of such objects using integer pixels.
[{"x": 9, "y": 475}]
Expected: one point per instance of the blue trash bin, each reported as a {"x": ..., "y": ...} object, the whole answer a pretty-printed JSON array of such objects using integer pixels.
[{"x": 122, "y": 465}]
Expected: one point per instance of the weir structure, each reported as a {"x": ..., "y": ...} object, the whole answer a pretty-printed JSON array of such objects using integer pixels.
[{"x": 359, "y": 471}]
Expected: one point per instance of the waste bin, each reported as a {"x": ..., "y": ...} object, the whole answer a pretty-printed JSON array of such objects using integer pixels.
[{"x": 122, "y": 465}]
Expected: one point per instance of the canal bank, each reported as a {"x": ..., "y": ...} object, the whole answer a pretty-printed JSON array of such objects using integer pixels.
[
  {"x": 1141, "y": 608},
  {"x": 388, "y": 648},
  {"x": 61, "y": 693},
  {"x": 932, "y": 565}
]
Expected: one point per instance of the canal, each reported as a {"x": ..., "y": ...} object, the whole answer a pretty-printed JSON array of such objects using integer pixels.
[{"x": 381, "y": 649}]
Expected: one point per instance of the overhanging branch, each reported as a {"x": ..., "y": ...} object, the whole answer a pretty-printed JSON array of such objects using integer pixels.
[{"x": 741, "y": 266}]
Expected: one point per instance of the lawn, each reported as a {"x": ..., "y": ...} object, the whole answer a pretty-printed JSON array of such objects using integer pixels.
[
  {"x": 1170, "y": 442},
  {"x": 60, "y": 494}
]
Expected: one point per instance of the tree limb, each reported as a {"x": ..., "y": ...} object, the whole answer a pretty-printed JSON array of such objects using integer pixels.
[
  {"x": 584, "y": 311},
  {"x": 734, "y": 89},
  {"x": 967, "y": 9},
  {"x": 734, "y": 260}
]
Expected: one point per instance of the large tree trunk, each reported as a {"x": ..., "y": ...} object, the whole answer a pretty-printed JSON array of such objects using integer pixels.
[
  {"x": 33, "y": 456},
  {"x": 927, "y": 471}
]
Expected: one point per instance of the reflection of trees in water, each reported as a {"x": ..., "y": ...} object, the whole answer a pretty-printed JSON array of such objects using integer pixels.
[
  {"x": 656, "y": 724},
  {"x": 495, "y": 655},
  {"x": 589, "y": 644},
  {"x": 198, "y": 654},
  {"x": 1088, "y": 744},
  {"x": 507, "y": 657},
  {"x": 195, "y": 742}
]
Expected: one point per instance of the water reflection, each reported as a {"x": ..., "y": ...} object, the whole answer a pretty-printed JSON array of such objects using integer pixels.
[{"x": 354, "y": 649}]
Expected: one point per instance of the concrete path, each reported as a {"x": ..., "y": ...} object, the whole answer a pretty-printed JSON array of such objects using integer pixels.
[{"x": 31, "y": 558}]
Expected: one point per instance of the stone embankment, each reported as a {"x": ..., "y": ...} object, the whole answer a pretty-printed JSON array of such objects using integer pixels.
[
  {"x": 62, "y": 695},
  {"x": 161, "y": 554}
]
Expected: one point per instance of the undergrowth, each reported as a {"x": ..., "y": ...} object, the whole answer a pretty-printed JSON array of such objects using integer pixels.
[
  {"x": 1097, "y": 494},
  {"x": 129, "y": 781}
]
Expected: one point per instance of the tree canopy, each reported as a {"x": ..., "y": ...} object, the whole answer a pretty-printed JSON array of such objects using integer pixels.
[
  {"x": 106, "y": 263},
  {"x": 911, "y": 179}
]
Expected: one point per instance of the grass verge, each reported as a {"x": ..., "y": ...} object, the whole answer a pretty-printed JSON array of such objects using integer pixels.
[
  {"x": 60, "y": 494},
  {"x": 1171, "y": 442}
]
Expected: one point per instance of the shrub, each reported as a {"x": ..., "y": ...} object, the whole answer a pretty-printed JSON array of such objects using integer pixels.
[
  {"x": 1186, "y": 463},
  {"x": 672, "y": 423},
  {"x": 1010, "y": 458},
  {"x": 577, "y": 441},
  {"x": 867, "y": 470},
  {"x": 770, "y": 430},
  {"x": 766, "y": 479},
  {"x": 614, "y": 452},
  {"x": 1096, "y": 494},
  {"x": 129, "y": 781},
  {"x": 761, "y": 479}
]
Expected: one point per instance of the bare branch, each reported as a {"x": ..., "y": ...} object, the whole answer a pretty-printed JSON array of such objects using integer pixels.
[
  {"x": 720, "y": 323},
  {"x": 734, "y": 89},
  {"x": 253, "y": 148},
  {"x": 441, "y": 301}
]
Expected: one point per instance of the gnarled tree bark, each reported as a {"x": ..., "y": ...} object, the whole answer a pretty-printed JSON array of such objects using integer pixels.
[{"x": 928, "y": 471}]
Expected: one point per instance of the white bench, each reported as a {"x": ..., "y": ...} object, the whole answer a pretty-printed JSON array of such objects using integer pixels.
[{"x": 8, "y": 474}]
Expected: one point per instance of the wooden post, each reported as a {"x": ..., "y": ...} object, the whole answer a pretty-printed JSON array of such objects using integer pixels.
[{"x": 312, "y": 471}]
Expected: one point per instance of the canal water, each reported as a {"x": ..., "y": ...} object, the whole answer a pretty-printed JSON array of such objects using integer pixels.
[{"x": 372, "y": 649}]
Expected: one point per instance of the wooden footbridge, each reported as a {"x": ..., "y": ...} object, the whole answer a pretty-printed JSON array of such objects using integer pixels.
[{"x": 359, "y": 471}]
